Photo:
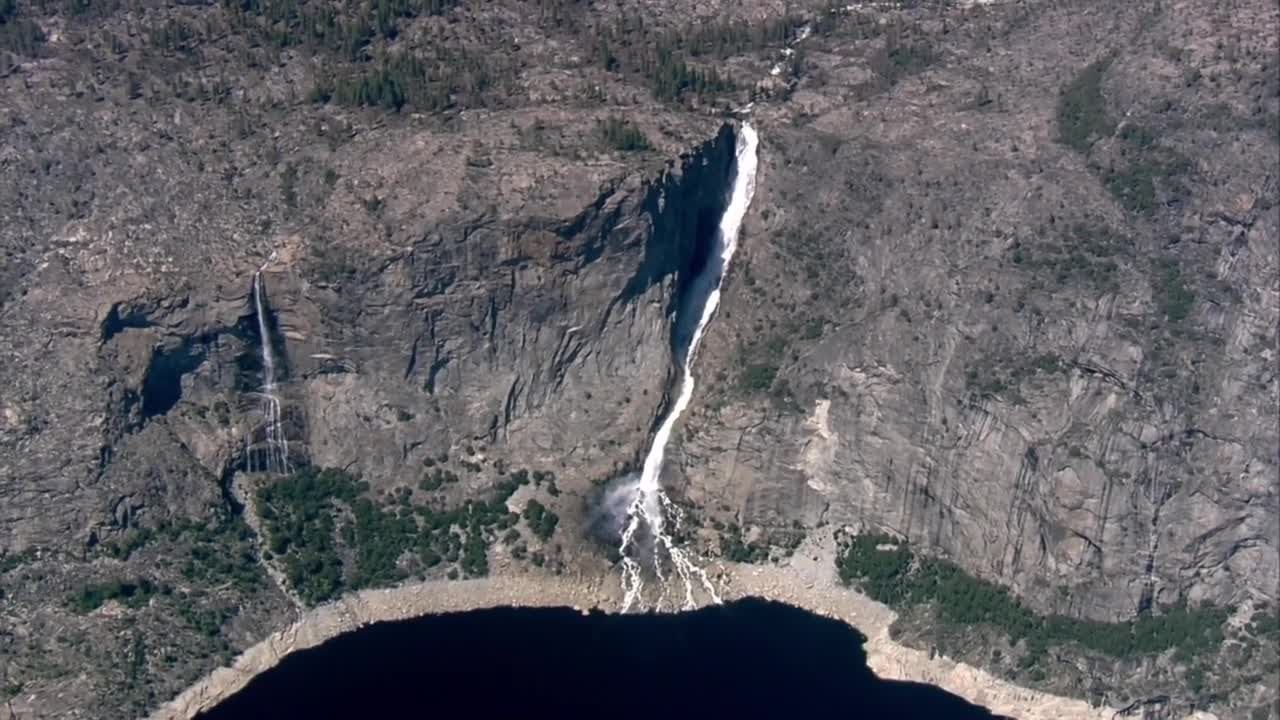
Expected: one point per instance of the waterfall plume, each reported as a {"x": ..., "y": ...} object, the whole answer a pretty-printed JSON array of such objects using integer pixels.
[
  {"x": 272, "y": 453},
  {"x": 651, "y": 508}
]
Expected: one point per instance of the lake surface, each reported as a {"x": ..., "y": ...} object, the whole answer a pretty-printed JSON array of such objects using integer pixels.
[{"x": 751, "y": 658}]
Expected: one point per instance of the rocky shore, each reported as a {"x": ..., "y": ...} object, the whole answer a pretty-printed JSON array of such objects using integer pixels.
[{"x": 808, "y": 580}]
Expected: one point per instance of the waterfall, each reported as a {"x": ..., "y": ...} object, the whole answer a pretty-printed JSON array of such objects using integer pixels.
[
  {"x": 651, "y": 506},
  {"x": 275, "y": 453}
]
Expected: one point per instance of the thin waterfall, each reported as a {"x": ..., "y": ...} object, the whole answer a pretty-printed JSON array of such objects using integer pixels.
[
  {"x": 651, "y": 507},
  {"x": 275, "y": 451}
]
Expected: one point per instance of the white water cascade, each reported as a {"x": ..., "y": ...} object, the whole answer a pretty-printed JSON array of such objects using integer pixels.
[
  {"x": 275, "y": 454},
  {"x": 650, "y": 507}
]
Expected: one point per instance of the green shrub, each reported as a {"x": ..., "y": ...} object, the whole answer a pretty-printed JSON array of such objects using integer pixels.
[
  {"x": 1144, "y": 168},
  {"x": 298, "y": 517},
  {"x": 13, "y": 561},
  {"x": 130, "y": 593},
  {"x": 542, "y": 522},
  {"x": 475, "y": 555},
  {"x": 899, "y": 578},
  {"x": 621, "y": 135},
  {"x": 1082, "y": 256},
  {"x": 812, "y": 329},
  {"x": 758, "y": 376},
  {"x": 734, "y": 549},
  {"x": 670, "y": 77},
  {"x": 382, "y": 539},
  {"x": 222, "y": 552},
  {"x": 1082, "y": 112},
  {"x": 206, "y": 621},
  {"x": 1134, "y": 186},
  {"x": 1172, "y": 294},
  {"x": 437, "y": 478},
  {"x": 19, "y": 35}
]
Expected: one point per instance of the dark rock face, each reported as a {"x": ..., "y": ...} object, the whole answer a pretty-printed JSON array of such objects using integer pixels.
[
  {"x": 500, "y": 331},
  {"x": 526, "y": 324},
  {"x": 486, "y": 328}
]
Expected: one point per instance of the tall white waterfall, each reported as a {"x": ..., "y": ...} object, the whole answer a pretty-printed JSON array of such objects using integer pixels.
[
  {"x": 274, "y": 453},
  {"x": 651, "y": 506}
]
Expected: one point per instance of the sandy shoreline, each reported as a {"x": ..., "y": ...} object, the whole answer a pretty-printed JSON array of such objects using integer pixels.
[{"x": 807, "y": 581}]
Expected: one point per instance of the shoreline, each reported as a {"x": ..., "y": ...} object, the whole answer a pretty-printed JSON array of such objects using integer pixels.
[
  {"x": 805, "y": 581},
  {"x": 352, "y": 612},
  {"x": 892, "y": 660}
]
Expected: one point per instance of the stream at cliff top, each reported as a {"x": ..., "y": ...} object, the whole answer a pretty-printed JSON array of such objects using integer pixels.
[{"x": 749, "y": 658}]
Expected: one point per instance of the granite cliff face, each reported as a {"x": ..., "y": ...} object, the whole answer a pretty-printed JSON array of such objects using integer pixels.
[
  {"x": 1008, "y": 289},
  {"x": 971, "y": 335},
  {"x": 485, "y": 333},
  {"x": 495, "y": 326},
  {"x": 1070, "y": 396},
  {"x": 500, "y": 330}
]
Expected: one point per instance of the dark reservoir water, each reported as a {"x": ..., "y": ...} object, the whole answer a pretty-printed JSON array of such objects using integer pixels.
[{"x": 752, "y": 659}]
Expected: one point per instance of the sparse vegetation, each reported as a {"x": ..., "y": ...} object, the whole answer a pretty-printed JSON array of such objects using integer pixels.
[
  {"x": 1175, "y": 299},
  {"x": 321, "y": 28},
  {"x": 13, "y": 561},
  {"x": 813, "y": 329},
  {"x": 542, "y": 522},
  {"x": 1142, "y": 167},
  {"x": 289, "y": 185},
  {"x": 1145, "y": 170},
  {"x": 1084, "y": 255},
  {"x": 129, "y": 542},
  {"x": 451, "y": 76},
  {"x": 888, "y": 571},
  {"x": 671, "y": 78},
  {"x": 904, "y": 53},
  {"x": 222, "y": 552},
  {"x": 207, "y": 621},
  {"x": 761, "y": 361},
  {"x": 1082, "y": 110},
  {"x": 999, "y": 371},
  {"x": 662, "y": 58},
  {"x": 332, "y": 537},
  {"x": 19, "y": 34},
  {"x": 757, "y": 377},
  {"x": 132, "y": 593},
  {"x": 621, "y": 135},
  {"x": 436, "y": 479},
  {"x": 735, "y": 549},
  {"x": 334, "y": 264}
]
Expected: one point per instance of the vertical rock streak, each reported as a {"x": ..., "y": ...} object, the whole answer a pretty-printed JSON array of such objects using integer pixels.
[{"x": 651, "y": 506}]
